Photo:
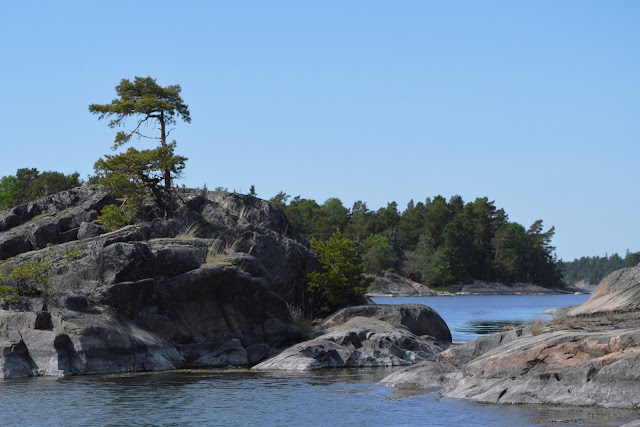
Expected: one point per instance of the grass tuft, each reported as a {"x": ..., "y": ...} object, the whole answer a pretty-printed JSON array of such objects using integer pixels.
[
  {"x": 190, "y": 232},
  {"x": 219, "y": 250},
  {"x": 301, "y": 320},
  {"x": 537, "y": 327}
]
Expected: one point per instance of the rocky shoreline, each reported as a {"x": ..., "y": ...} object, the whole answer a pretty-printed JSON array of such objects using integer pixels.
[
  {"x": 213, "y": 286},
  {"x": 393, "y": 285},
  {"x": 368, "y": 336},
  {"x": 590, "y": 355},
  {"x": 208, "y": 287}
]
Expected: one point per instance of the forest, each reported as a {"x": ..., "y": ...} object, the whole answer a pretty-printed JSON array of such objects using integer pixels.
[
  {"x": 438, "y": 242},
  {"x": 29, "y": 184},
  {"x": 592, "y": 270}
]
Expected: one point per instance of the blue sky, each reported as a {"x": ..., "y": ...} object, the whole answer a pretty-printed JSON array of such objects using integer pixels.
[{"x": 533, "y": 104}]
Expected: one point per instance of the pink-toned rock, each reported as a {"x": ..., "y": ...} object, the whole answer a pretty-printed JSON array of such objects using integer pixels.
[
  {"x": 561, "y": 367},
  {"x": 595, "y": 361},
  {"x": 619, "y": 291}
]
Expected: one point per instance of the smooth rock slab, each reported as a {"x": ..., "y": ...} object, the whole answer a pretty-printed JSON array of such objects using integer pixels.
[
  {"x": 417, "y": 318},
  {"x": 563, "y": 367},
  {"x": 618, "y": 291},
  {"x": 362, "y": 342}
]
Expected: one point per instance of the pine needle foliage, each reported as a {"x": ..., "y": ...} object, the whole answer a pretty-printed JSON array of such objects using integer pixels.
[{"x": 342, "y": 278}]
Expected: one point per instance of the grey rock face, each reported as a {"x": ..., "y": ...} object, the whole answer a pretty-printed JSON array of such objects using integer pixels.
[
  {"x": 258, "y": 228},
  {"x": 417, "y": 318},
  {"x": 361, "y": 342},
  {"x": 217, "y": 315},
  {"x": 83, "y": 342},
  {"x": 151, "y": 296},
  {"x": 50, "y": 220},
  {"x": 88, "y": 230},
  {"x": 389, "y": 335}
]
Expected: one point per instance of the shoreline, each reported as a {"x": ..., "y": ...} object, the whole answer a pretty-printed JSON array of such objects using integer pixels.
[{"x": 457, "y": 294}]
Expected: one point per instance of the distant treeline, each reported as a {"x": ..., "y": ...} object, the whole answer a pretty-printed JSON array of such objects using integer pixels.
[
  {"x": 437, "y": 242},
  {"x": 29, "y": 184},
  {"x": 593, "y": 269}
]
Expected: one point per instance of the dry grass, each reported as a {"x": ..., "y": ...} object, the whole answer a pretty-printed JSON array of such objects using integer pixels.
[
  {"x": 244, "y": 214},
  {"x": 537, "y": 327},
  {"x": 563, "y": 321},
  {"x": 301, "y": 320},
  {"x": 611, "y": 316},
  {"x": 219, "y": 250},
  {"x": 190, "y": 232}
]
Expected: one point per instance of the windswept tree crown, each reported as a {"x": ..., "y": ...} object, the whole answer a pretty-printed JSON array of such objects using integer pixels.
[
  {"x": 131, "y": 173},
  {"x": 145, "y": 98}
]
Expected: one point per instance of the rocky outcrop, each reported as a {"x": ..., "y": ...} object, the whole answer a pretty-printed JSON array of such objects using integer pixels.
[
  {"x": 50, "y": 220},
  {"x": 438, "y": 371},
  {"x": 64, "y": 336},
  {"x": 417, "y": 318},
  {"x": 619, "y": 291},
  {"x": 369, "y": 336},
  {"x": 575, "y": 360},
  {"x": 208, "y": 287},
  {"x": 393, "y": 284},
  {"x": 482, "y": 288},
  {"x": 562, "y": 367},
  {"x": 258, "y": 228},
  {"x": 204, "y": 317}
]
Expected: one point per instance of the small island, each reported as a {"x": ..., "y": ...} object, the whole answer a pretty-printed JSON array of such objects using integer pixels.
[{"x": 129, "y": 273}]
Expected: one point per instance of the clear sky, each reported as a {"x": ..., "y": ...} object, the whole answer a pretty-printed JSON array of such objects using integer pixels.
[{"x": 534, "y": 104}]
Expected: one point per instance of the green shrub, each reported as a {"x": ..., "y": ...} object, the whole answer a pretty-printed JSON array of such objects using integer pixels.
[
  {"x": 74, "y": 253},
  {"x": 342, "y": 279},
  {"x": 29, "y": 278},
  {"x": 114, "y": 218}
]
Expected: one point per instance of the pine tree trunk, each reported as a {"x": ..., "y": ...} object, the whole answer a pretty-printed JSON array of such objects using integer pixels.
[{"x": 167, "y": 172}]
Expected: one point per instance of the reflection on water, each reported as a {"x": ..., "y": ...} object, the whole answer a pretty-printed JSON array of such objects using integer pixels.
[
  {"x": 238, "y": 397},
  {"x": 471, "y": 316},
  {"x": 243, "y": 397},
  {"x": 486, "y": 327}
]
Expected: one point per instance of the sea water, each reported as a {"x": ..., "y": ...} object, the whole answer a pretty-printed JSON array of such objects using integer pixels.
[
  {"x": 340, "y": 397},
  {"x": 471, "y": 316}
]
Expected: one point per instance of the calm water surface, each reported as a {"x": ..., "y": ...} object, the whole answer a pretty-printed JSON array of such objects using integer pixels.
[
  {"x": 472, "y": 316},
  {"x": 242, "y": 397}
]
